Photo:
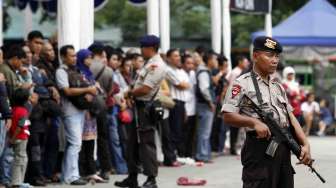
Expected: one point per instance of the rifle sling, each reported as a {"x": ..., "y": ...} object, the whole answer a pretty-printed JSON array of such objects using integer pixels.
[{"x": 256, "y": 87}]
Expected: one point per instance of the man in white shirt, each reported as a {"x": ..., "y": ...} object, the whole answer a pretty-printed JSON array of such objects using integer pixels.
[
  {"x": 178, "y": 84},
  {"x": 189, "y": 128},
  {"x": 309, "y": 109},
  {"x": 243, "y": 64}
]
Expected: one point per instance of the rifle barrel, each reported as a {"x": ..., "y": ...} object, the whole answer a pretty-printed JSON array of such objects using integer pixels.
[{"x": 317, "y": 174}]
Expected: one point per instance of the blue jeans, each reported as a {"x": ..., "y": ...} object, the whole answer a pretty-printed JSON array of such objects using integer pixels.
[
  {"x": 6, "y": 160},
  {"x": 205, "y": 118},
  {"x": 3, "y": 133},
  {"x": 73, "y": 127},
  {"x": 115, "y": 146}
]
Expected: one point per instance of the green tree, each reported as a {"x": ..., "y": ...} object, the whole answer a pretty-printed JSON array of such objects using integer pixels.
[{"x": 190, "y": 19}]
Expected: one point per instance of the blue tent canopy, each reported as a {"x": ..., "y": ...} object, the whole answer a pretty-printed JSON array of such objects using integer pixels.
[{"x": 312, "y": 25}]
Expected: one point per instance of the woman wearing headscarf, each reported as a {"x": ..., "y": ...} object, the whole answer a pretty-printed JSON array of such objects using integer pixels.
[
  {"x": 87, "y": 165},
  {"x": 294, "y": 93}
]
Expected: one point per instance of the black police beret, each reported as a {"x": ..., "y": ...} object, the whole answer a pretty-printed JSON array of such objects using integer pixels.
[
  {"x": 149, "y": 41},
  {"x": 264, "y": 43}
]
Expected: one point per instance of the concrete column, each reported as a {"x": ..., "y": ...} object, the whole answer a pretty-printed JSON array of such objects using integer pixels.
[
  {"x": 68, "y": 18},
  {"x": 268, "y": 20},
  {"x": 165, "y": 25},
  {"x": 216, "y": 25},
  {"x": 153, "y": 17},
  {"x": 86, "y": 23},
  {"x": 227, "y": 32}
]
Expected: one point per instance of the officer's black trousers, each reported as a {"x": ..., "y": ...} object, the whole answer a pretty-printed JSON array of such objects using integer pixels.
[
  {"x": 263, "y": 171},
  {"x": 141, "y": 145}
]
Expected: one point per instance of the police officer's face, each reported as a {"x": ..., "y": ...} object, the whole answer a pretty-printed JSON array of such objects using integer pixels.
[
  {"x": 145, "y": 51},
  {"x": 266, "y": 62}
]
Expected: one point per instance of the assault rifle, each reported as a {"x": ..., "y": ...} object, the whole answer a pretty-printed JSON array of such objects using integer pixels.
[{"x": 279, "y": 135}]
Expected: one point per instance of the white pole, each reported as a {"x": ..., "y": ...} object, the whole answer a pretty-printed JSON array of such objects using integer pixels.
[
  {"x": 268, "y": 20},
  {"x": 153, "y": 17},
  {"x": 165, "y": 25},
  {"x": 28, "y": 21},
  {"x": 68, "y": 23},
  {"x": 216, "y": 25},
  {"x": 227, "y": 32},
  {"x": 1, "y": 30},
  {"x": 86, "y": 23}
]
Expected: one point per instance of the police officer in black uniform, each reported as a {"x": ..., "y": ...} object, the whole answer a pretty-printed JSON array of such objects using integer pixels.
[
  {"x": 141, "y": 142},
  {"x": 261, "y": 170}
]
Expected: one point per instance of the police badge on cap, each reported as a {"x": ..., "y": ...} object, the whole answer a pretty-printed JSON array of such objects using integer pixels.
[{"x": 264, "y": 43}]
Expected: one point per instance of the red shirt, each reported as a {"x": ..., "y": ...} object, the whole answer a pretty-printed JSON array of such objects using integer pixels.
[
  {"x": 20, "y": 119},
  {"x": 295, "y": 99}
]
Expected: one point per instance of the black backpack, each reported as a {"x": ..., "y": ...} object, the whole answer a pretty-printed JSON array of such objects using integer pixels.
[{"x": 77, "y": 80}]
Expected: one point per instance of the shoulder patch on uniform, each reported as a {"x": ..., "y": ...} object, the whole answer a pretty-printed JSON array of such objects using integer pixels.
[{"x": 235, "y": 90}]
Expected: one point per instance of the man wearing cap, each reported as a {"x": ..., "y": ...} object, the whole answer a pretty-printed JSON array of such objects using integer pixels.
[
  {"x": 141, "y": 140},
  {"x": 261, "y": 170}
]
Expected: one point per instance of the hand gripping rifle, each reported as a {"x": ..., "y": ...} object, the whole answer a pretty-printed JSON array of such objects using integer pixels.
[{"x": 279, "y": 135}]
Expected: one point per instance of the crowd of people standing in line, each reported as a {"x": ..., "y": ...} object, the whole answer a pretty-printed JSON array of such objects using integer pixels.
[{"x": 55, "y": 115}]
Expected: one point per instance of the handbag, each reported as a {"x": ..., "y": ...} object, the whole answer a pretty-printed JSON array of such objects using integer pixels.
[
  {"x": 167, "y": 102},
  {"x": 125, "y": 116}
]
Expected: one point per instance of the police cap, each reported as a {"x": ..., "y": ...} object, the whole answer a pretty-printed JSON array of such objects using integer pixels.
[
  {"x": 264, "y": 43},
  {"x": 149, "y": 41}
]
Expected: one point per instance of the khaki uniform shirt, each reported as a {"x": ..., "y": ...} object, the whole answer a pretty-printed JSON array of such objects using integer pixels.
[
  {"x": 273, "y": 96},
  {"x": 151, "y": 75}
]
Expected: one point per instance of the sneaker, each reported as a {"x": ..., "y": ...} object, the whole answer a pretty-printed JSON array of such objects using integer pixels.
[
  {"x": 79, "y": 182},
  {"x": 127, "y": 182},
  {"x": 25, "y": 185}
]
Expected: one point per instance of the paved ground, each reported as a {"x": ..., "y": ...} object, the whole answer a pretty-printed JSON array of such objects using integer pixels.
[{"x": 225, "y": 172}]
